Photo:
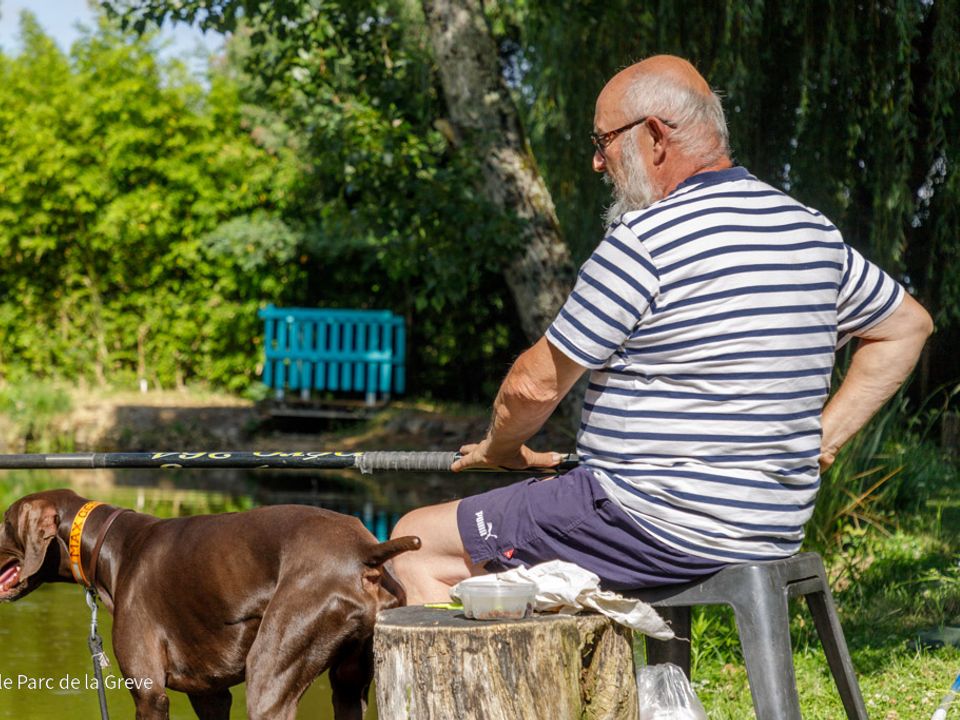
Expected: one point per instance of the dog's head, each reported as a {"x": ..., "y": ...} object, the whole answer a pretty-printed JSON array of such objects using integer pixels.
[{"x": 28, "y": 555}]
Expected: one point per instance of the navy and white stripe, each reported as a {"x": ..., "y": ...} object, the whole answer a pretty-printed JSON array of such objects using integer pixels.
[{"x": 710, "y": 321}]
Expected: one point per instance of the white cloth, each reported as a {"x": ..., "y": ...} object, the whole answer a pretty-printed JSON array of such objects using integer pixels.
[{"x": 567, "y": 588}]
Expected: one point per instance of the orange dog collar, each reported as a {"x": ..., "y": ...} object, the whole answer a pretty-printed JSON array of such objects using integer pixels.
[{"x": 76, "y": 535}]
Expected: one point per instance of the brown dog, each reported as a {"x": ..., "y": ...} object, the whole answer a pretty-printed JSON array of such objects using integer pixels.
[{"x": 273, "y": 596}]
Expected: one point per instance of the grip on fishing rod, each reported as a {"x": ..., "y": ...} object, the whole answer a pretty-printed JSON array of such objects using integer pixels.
[{"x": 370, "y": 462}]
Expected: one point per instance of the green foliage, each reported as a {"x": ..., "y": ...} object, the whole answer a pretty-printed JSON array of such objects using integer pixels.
[
  {"x": 31, "y": 407},
  {"x": 122, "y": 186},
  {"x": 850, "y": 107},
  {"x": 390, "y": 212},
  {"x": 714, "y": 638},
  {"x": 891, "y": 466},
  {"x": 387, "y": 207}
]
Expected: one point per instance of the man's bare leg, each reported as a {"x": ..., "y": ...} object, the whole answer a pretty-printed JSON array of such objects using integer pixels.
[{"x": 428, "y": 574}]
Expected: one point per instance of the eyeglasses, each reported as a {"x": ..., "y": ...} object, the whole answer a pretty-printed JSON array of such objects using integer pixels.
[{"x": 603, "y": 140}]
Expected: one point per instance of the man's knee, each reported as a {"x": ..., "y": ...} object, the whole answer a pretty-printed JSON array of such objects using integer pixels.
[
  {"x": 433, "y": 524},
  {"x": 413, "y": 523},
  {"x": 405, "y": 525},
  {"x": 441, "y": 562}
]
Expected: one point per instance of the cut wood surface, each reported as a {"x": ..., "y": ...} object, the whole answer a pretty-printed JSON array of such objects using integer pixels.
[{"x": 437, "y": 665}]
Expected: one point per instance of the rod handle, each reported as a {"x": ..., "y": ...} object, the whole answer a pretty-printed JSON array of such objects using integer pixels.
[{"x": 374, "y": 461}]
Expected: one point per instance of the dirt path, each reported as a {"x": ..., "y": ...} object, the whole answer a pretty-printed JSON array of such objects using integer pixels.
[{"x": 137, "y": 422}]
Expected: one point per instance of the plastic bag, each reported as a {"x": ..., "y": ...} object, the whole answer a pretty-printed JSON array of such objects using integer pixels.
[{"x": 664, "y": 693}]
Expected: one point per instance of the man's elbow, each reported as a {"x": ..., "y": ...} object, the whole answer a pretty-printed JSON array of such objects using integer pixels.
[
  {"x": 910, "y": 325},
  {"x": 921, "y": 323},
  {"x": 927, "y": 325},
  {"x": 532, "y": 380},
  {"x": 530, "y": 390}
]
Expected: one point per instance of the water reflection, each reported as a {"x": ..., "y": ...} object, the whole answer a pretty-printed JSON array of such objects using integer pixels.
[{"x": 44, "y": 638}]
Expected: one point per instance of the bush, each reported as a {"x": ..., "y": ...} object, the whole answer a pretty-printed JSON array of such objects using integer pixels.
[{"x": 139, "y": 221}]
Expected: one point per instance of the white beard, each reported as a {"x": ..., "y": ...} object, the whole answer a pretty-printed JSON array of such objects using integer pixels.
[{"x": 635, "y": 191}]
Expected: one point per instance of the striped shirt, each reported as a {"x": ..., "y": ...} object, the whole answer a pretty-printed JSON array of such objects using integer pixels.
[{"x": 710, "y": 321}]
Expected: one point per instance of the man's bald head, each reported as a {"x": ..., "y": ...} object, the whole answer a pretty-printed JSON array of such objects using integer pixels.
[
  {"x": 669, "y": 68},
  {"x": 669, "y": 88}
]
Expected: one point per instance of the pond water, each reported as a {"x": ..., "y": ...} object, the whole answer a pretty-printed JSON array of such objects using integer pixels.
[{"x": 43, "y": 636}]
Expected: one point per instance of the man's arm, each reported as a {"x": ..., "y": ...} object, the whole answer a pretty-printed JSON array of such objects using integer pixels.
[
  {"x": 887, "y": 353},
  {"x": 531, "y": 391}
]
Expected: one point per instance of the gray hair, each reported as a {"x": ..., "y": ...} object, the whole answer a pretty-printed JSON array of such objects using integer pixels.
[{"x": 701, "y": 131}]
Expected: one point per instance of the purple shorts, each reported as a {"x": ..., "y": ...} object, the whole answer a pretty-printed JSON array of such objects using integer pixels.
[{"x": 570, "y": 517}]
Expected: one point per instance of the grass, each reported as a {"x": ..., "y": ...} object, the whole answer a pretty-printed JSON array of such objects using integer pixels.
[{"x": 911, "y": 687}]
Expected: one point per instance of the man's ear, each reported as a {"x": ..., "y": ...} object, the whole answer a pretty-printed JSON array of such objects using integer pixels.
[
  {"x": 37, "y": 526},
  {"x": 658, "y": 133}
]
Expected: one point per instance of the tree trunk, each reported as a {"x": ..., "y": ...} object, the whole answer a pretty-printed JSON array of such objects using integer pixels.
[
  {"x": 436, "y": 665},
  {"x": 486, "y": 123},
  {"x": 485, "y": 119}
]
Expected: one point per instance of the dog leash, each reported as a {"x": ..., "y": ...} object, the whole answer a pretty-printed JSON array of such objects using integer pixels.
[
  {"x": 99, "y": 657},
  {"x": 94, "y": 641}
]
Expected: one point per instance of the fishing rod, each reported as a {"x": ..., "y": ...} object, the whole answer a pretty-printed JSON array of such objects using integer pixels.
[{"x": 365, "y": 462}]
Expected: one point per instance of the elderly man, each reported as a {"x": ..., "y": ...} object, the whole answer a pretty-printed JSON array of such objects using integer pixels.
[{"x": 708, "y": 316}]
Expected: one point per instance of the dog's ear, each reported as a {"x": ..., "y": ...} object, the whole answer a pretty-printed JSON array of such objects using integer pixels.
[{"x": 37, "y": 526}]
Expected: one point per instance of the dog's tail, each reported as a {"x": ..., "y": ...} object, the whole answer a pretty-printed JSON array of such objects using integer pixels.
[{"x": 379, "y": 554}]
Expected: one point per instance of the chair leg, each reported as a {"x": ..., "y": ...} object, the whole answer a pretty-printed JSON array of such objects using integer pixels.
[
  {"x": 838, "y": 656},
  {"x": 675, "y": 651},
  {"x": 763, "y": 622}
]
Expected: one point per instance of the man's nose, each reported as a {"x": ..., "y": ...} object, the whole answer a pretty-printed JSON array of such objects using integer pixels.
[{"x": 599, "y": 162}]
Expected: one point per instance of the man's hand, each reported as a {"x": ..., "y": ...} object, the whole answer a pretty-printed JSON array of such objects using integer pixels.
[
  {"x": 827, "y": 458},
  {"x": 482, "y": 454}
]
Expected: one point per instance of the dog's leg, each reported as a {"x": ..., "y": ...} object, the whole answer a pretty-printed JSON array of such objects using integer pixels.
[
  {"x": 138, "y": 652},
  {"x": 291, "y": 649},
  {"x": 350, "y": 677},
  {"x": 152, "y": 704},
  {"x": 212, "y": 706}
]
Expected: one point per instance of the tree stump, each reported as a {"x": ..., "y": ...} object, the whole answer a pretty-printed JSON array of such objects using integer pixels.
[{"x": 438, "y": 665}]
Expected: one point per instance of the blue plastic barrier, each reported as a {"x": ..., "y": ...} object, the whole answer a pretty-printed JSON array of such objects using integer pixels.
[{"x": 351, "y": 351}]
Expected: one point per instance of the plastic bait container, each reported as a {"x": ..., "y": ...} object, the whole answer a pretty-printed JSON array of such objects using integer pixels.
[{"x": 487, "y": 598}]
